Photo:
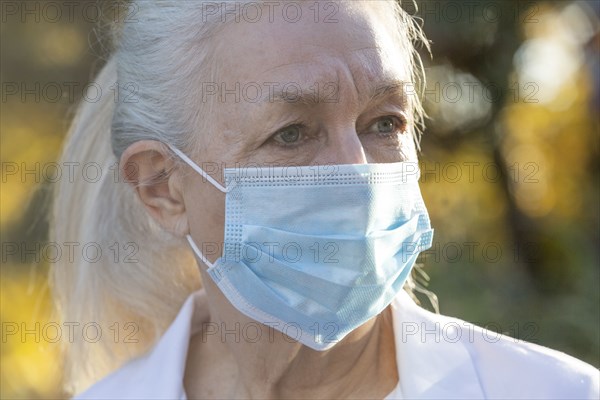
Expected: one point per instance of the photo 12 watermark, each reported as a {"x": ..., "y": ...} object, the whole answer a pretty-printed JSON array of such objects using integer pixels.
[
  {"x": 488, "y": 11},
  {"x": 410, "y": 331},
  {"x": 70, "y": 252},
  {"x": 69, "y": 332},
  {"x": 62, "y": 12}
]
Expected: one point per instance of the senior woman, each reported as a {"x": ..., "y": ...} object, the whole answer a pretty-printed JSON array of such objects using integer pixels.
[{"x": 277, "y": 143}]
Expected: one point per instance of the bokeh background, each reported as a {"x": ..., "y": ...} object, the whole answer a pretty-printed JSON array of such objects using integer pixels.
[{"x": 510, "y": 164}]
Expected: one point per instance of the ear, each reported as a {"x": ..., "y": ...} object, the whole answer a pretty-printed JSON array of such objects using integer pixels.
[{"x": 148, "y": 167}]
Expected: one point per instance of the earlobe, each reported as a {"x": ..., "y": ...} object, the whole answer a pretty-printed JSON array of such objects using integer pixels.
[{"x": 147, "y": 166}]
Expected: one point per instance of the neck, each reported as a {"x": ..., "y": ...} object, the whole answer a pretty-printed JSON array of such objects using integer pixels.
[{"x": 363, "y": 364}]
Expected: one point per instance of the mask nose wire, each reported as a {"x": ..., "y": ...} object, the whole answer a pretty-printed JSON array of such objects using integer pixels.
[{"x": 216, "y": 184}]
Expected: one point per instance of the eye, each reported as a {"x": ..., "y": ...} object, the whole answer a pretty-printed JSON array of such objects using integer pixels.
[
  {"x": 388, "y": 125},
  {"x": 289, "y": 135},
  {"x": 385, "y": 125}
]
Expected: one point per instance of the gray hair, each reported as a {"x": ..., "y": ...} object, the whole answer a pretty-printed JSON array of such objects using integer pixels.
[{"x": 158, "y": 59}]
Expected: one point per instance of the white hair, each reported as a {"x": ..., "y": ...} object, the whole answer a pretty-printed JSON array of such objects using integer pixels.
[{"x": 135, "y": 288}]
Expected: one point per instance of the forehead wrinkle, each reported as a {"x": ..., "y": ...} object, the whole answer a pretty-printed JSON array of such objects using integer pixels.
[
  {"x": 342, "y": 61},
  {"x": 376, "y": 47},
  {"x": 333, "y": 54},
  {"x": 272, "y": 69},
  {"x": 309, "y": 91}
]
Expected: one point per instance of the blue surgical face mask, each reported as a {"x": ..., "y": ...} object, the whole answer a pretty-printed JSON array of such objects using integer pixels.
[{"x": 316, "y": 251}]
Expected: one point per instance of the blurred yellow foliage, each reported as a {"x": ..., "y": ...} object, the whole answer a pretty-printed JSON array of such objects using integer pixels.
[
  {"x": 29, "y": 145},
  {"x": 547, "y": 147},
  {"x": 551, "y": 150},
  {"x": 30, "y": 366}
]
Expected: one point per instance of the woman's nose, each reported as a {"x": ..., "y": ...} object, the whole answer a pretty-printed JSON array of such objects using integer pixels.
[{"x": 342, "y": 149}]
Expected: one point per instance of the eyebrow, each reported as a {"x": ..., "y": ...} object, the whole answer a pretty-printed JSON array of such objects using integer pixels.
[
  {"x": 321, "y": 92},
  {"x": 389, "y": 88},
  {"x": 327, "y": 92}
]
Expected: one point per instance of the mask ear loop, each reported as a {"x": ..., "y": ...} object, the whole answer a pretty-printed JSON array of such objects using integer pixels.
[
  {"x": 196, "y": 168},
  {"x": 198, "y": 252},
  {"x": 216, "y": 184}
]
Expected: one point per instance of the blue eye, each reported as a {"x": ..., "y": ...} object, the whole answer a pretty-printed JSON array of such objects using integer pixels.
[
  {"x": 386, "y": 126},
  {"x": 288, "y": 135}
]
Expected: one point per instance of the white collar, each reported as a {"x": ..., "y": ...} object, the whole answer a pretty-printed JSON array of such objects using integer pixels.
[
  {"x": 430, "y": 369},
  {"x": 426, "y": 369},
  {"x": 158, "y": 374}
]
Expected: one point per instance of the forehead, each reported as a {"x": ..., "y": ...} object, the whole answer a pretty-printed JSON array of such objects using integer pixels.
[{"x": 356, "y": 48}]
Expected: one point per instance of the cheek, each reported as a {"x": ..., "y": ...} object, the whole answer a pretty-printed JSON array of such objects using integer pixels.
[
  {"x": 205, "y": 209},
  {"x": 387, "y": 150},
  {"x": 409, "y": 149}
]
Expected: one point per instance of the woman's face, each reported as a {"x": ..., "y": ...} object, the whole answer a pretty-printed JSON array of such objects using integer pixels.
[{"x": 303, "y": 93}]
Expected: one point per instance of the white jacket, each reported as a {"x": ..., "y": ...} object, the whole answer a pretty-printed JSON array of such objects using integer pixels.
[{"x": 438, "y": 357}]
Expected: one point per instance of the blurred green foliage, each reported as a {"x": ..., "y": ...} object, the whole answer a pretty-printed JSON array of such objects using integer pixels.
[{"x": 509, "y": 171}]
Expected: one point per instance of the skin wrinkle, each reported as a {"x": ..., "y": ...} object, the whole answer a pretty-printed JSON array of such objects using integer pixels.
[
  {"x": 342, "y": 367},
  {"x": 379, "y": 89},
  {"x": 363, "y": 364},
  {"x": 280, "y": 380}
]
